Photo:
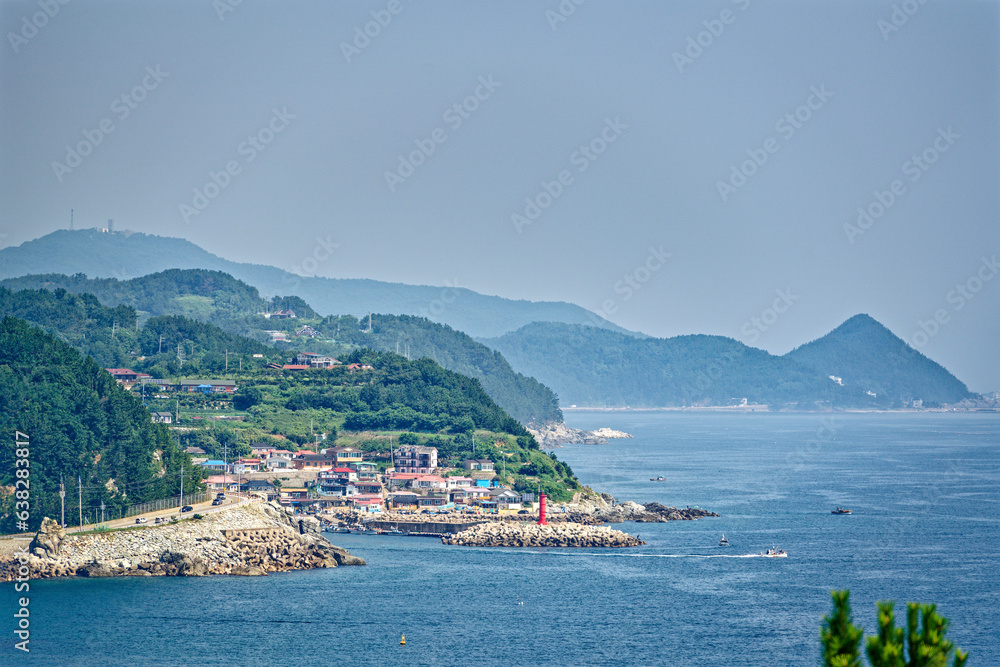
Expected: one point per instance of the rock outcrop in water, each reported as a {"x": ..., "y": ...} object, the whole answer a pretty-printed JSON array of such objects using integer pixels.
[
  {"x": 515, "y": 534},
  {"x": 251, "y": 539},
  {"x": 556, "y": 435}
]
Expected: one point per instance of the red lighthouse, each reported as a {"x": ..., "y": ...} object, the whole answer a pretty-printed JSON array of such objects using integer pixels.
[{"x": 541, "y": 509}]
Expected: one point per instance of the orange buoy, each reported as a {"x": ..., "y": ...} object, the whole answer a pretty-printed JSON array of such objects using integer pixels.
[{"x": 402, "y": 642}]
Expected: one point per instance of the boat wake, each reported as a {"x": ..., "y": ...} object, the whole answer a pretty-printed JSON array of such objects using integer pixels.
[{"x": 626, "y": 555}]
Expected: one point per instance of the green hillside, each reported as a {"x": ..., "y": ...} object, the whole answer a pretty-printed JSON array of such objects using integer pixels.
[
  {"x": 392, "y": 400},
  {"x": 79, "y": 423},
  {"x": 114, "y": 338},
  {"x": 125, "y": 255},
  {"x": 869, "y": 357},
  {"x": 220, "y": 299}
]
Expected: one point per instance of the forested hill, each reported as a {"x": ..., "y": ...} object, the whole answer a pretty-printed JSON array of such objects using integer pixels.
[
  {"x": 111, "y": 336},
  {"x": 525, "y": 398},
  {"x": 865, "y": 354},
  {"x": 233, "y": 306},
  {"x": 126, "y": 255},
  {"x": 593, "y": 367},
  {"x": 209, "y": 296},
  {"x": 78, "y": 423}
]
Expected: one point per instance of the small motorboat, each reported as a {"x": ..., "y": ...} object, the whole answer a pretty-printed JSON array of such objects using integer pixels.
[
  {"x": 774, "y": 553},
  {"x": 840, "y": 510},
  {"x": 723, "y": 542},
  {"x": 658, "y": 478}
]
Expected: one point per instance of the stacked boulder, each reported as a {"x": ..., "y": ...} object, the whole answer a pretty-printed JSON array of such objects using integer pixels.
[
  {"x": 512, "y": 534},
  {"x": 247, "y": 540}
]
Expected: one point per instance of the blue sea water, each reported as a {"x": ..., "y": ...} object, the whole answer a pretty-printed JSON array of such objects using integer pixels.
[{"x": 925, "y": 490}]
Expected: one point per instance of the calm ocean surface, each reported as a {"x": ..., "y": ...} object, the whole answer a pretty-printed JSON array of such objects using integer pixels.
[{"x": 925, "y": 490}]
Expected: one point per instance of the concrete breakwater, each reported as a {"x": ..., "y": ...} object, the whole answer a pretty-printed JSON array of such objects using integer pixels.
[
  {"x": 252, "y": 539},
  {"x": 510, "y": 534}
]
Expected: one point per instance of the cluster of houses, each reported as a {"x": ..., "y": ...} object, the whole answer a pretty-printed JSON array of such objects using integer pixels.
[
  {"x": 340, "y": 477},
  {"x": 307, "y": 360},
  {"x": 129, "y": 378}
]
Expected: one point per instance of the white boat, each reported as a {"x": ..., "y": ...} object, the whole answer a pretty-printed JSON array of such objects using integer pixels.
[
  {"x": 723, "y": 542},
  {"x": 774, "y": 553}
]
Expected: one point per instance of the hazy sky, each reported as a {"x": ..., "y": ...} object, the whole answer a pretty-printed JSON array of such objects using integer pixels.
[{"x": 673, "y": 165}]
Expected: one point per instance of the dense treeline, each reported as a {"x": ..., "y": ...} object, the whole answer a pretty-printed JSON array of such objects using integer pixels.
[
  {"x": 204, "y": 344},
  {"x": 79, "y": 423},
  {"x": 397, "y": 394},
  {"x": 115, "y": 339},
  {"x": 106, "y": 334},
  {"x": 523, "y": 397},
  {"x": 207, "y": 296}
]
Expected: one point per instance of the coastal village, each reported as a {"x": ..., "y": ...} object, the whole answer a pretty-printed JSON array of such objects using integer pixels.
[
  {"x": 407, "y": 479},
  {"x": 341, "y": 477}
]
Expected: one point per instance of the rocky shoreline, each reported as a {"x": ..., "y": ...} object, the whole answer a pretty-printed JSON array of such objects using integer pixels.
[
  {"x": 514, "y": 534},
  {"x": 551, "y": 436},
  {"x": 248, "y": 540}
]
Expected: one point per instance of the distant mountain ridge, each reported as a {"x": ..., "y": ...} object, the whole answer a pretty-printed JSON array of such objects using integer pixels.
[
  {"x": 125, "y": 255},
  {"x": 594, "y": 367}
]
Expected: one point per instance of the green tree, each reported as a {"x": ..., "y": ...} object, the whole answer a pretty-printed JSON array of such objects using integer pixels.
[
  {"x": 925, "y": 643},
  {"x": 922, "y": 644},
  {"x": 246, "y": 398},
  {"x": 841, "y": 639}
]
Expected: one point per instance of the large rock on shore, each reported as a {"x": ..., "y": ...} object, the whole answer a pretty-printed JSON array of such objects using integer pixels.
[
  {"x": 251, "y": 539},
  {"x": 512, "y": 534},
  {"x": 48, "y": 539},
  {"x": 551, "y": 436}
]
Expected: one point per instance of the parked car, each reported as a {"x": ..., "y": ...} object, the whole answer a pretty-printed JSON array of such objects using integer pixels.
[
  {"x": 217, "y": 501},
  {"x": 159, "y": 519},
  {"x": 141, "y": 519},
  {"x": 186, "y": 508}
]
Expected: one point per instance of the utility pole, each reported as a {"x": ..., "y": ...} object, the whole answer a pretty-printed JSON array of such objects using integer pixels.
[
  {"x": 161, "y": 345},
  {"x": 227, "y": 361},
  {"x": 102, "y": 511},
  {"x": 81, "y": 498},
  {"x": 62, "y": 500},
  {"x": 182, "y": 489}
]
